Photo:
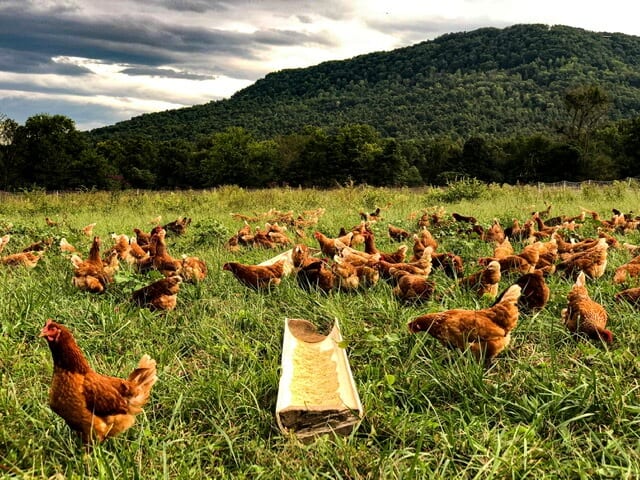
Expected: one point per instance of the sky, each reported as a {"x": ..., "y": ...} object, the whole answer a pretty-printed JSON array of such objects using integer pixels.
[{"x": 99, "y": 62}]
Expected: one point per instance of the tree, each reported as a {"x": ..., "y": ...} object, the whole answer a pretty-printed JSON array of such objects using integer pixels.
[
  {"x": 47, "y": 150},
  {"x": 587, "y": 106},
  {"x": 8, "y": 129}
]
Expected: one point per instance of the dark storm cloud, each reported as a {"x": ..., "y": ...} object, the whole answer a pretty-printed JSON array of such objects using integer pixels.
[
  {"x": 245, "y": 9},
  {"x": 165, "y": 73},
  {"x": 35, "y": 62},
  {"x": 132, "y": 41}
]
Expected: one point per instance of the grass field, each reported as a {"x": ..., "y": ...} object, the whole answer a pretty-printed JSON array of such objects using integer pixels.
[{"x": 549, "y": 407}]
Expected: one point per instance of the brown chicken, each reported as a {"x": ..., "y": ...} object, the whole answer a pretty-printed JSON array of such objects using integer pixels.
[
  {"x": 631, "y": 295},
  {"x": 178, "y": 226},
  {"x": 585, "y": 316},
  {"x": 65, "y": 246},
  {"x": 422, "y": 266},
  {"x": 422, "y": 240},
  {"x": 310, "y": 271},
  {"x": 503, "y": 249},
  {"x": 412, "y": 288},
  {"x": 535, "y": 291},
  {"x": 88, "y": 230},
  {"x": 592, "y": 262},
  {"x": 332, "y": 246},
  {"x": 160, "y": 295},
  {"x": 629, "y": 270},
  {"x": 345, "y": 274},
  {"x": 193, "y": 269},
  {"x": 23, "y": 259},
  {"x": 494, "y": 233},
  {"x": 317, "y": 274},
  {"x": 464, "y": 218},
  {"x": 485, "y": 281},
  {"x": 397, "y": 234},
  {"x": 510, "y": 263},
  {"x": 450, "y": 263},
  {"x": 121, "y": 246},
  {"x": 397, "y": 256},
  {"x": 97, "y": 406},
  {"x": 90, "y": 274},
  {"x": 485, "y": 332},
  {"x": 258, "y": 277},
  {"x": 142, "y": 238},
  {"x": 39, "y": 246},
  {"x": 162, "y": 261},
  {"x": 4, "y": 240}
]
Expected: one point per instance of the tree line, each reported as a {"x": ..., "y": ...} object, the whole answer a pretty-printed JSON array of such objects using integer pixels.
[{"x": 49, "y": 152}]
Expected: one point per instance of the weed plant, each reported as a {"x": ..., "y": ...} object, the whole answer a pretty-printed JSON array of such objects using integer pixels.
[{"x": 549, "y": 407}]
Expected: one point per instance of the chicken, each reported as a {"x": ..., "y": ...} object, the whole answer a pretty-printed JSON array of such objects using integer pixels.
[
  {"x": 162, "y": 261},
  {"x": 411, "y": 288},
  {"x": 316, "y": 273},
  {"x": 332, "y": 246},
  {"x": 485, "y": 281},
  {"x": 50, "y": 222},
  {"x": 368, "y": 276},
  {"x": 464, "y": 218},
  {"x": 450, "y": 263},
  {"x": 88, "y": 229},
  {"x": 156, "y": 220},
  {"x": 4, "y": 240},
  {"x": 485, "y": 332},
  {"x": 423, "y": 266},
  {"x": 142, "y": 238},
  {"x": 258, "y": 277},
  {"x": 159, "y": 295},
  {"x": 585, "y": 316},
  {"x": 397, "y": 234},
  {"x": 514, "y": 231},
  {"x": 535, "y": 291},
  {"x": 629, "y": 270},
  {"x": 592, "y": 262},
  {"x": 178, "y": 226},
  {"x": 345, "y": 274},
  {"x": 503, "y": 249},
  {"x": 371, "y": 217},
  {"x": 121, "y": 246},
  {"x": 65, "y": 246},
  {"x": 192, "y": 269},
  {"x": 397, "y": 256},
  {"x": 510, "y": 263},
  {"x": 631, "y": 295},
  {"x": 24, "y": 259},
  {"x": 311, "y": 272},
  {"x": 39, "y": 246},
  {"x": 95, "y": 405},
  {"x": 422, "y": 240},
  {"x": 90, "y": 274},
  {"x": 494, "y": 233}
]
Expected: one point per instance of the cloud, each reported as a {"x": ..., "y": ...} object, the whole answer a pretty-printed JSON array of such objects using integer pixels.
[{"x": 165, "y": 73}]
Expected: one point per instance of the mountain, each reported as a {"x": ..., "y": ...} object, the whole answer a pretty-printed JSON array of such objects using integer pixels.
[{"x": 489, "y": 81}]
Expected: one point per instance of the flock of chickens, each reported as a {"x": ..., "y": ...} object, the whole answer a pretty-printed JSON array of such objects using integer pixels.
[
  {"x": 350, "y": 261},
  {"x": 95, "y": 405},
  {"x": 99, "y": 406}
]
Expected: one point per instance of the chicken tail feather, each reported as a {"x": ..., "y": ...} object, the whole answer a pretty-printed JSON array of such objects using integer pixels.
[{"x": 143, "y": 377}]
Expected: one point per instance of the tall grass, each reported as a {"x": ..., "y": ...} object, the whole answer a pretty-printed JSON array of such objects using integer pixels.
[{"x": 550, "y": 407}]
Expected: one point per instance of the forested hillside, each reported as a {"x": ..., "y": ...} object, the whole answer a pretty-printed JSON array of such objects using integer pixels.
[{"x": 497, "y": 82}]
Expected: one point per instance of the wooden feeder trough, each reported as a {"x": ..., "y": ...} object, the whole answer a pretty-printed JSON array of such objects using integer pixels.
[{"x": 317, "y": 393}]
